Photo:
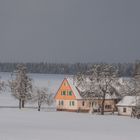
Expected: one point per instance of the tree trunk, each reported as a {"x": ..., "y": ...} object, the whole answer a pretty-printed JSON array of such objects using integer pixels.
[
  {"x": 102, "y": 107},
  {"x": 23, "y": 103},
  {"x": 39, "y": 108},
  {"x": 19, "y": 103},
  {"x": 39, "y": 105}
]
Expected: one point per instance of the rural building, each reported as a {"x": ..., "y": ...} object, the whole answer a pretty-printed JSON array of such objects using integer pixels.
[
  {"x": 126, "y": 104},
  {"x": 69, "y": 98}
]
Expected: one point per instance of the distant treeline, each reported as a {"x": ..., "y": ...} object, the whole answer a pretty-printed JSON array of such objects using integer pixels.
[{"x": 125, "y": 69}]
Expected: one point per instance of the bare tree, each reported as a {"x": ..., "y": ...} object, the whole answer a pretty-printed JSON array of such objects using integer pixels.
[
  {"x": 135, "y": 82},
  {"x": 100, "y": 81},
  {"x": 21, "y": 86},
  {"x": 2, "y": 85},
  {"x": 42, "y": 96},
  {"x": 137, "y": 77}
]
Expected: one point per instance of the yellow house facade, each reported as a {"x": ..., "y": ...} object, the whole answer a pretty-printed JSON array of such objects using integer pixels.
[{"x": 67, "y": 96}]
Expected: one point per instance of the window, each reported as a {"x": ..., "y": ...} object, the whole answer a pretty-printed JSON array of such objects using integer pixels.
[
  {"x": 72, "y": 103},
  {"x": 124, "y": 110},
  {"x": 83, "y": 103},
  {"x": 64, "y": 92},
  {"x": 62, "y": 103},
  {"x": 91, "y": 104},
  {"x": 108, "y": 106},
  {"x": 70, "y": 93},
  {"x": 59, "y": 103}
]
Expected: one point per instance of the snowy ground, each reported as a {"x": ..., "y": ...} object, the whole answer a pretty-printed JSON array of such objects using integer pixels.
[
  {"x": 29, "y": 124},
  {"x": 32, "y": 125}
]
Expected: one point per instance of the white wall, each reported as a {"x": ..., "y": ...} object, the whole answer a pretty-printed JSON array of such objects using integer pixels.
[
  {"x": 67, "y": 105},
  {"x": 127, "y": 113}
]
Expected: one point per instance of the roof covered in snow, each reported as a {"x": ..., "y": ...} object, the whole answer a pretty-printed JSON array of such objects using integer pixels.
[
  {"x": 108, "y": 96},
  {"x": 74, "y": 88},
  {"x": 80, "y": 94},
  {"x": 129, "y": 101}
]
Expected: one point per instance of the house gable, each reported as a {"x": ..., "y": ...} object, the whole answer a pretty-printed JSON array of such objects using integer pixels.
[{"x": 65, "y": 92}]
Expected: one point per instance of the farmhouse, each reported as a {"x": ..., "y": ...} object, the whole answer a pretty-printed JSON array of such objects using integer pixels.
[
  {"x": 69, "y": 98},
  {"x": 126, "y": 105}
]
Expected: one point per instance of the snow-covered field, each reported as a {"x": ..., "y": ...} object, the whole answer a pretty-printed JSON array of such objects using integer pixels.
[
  {"x": 32, "y": 125},
  {"x": 29, "y": 124}
]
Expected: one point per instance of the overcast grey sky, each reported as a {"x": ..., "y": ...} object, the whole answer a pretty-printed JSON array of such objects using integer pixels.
[{"x": 69, "y": 30}]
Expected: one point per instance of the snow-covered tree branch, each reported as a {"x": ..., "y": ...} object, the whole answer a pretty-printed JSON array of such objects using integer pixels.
[
  {"x": 2, "y": 85},
  {"x": 42, "y": 96}
]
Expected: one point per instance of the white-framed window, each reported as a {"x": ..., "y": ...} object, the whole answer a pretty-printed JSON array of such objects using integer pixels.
[
  {"x": 71, "y": 103},
  {"x": 62, "y": 102},
  {"x": 59, "y": 103}
]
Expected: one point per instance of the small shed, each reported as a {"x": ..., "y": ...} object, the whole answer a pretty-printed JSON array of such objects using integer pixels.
[{"x": 126, "y": 104}]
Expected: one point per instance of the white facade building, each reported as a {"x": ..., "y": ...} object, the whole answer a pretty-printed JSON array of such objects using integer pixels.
[{"x": 126, "y": 104}]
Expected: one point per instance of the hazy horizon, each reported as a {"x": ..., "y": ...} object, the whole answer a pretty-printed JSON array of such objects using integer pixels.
[
  {"x": 100, "y": 62},
  {"x": 69, "y": 31}
]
